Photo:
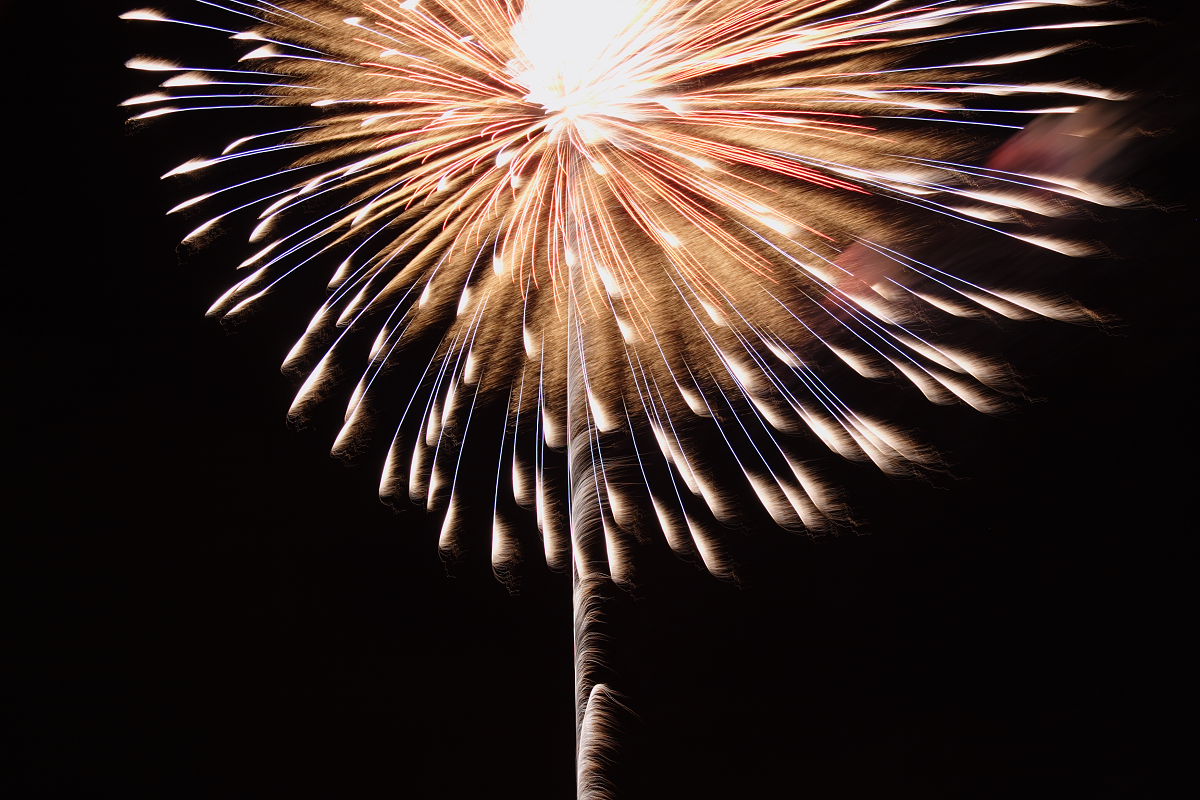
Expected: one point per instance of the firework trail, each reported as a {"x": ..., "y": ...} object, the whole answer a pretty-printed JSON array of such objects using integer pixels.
[{"x": 659, "y": 235}]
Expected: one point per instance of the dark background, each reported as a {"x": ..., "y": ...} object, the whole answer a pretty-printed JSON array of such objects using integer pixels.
[{"x": 205, "y": 605}]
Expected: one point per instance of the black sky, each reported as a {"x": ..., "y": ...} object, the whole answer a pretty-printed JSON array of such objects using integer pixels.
[{"x": 205, "y": 605}]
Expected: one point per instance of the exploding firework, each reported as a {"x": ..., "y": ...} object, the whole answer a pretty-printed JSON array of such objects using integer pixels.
[{"x": 661, "y": 237}]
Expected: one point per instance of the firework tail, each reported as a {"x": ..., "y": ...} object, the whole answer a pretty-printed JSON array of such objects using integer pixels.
[
  {"x": 595, "y": 703},
  {"x": 589, "y": 580}
]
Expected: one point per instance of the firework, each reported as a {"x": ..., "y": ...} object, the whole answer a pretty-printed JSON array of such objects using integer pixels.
[{"x": 660, "y": 236}]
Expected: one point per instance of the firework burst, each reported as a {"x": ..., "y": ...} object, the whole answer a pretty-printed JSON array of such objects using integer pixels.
[{"x": 659, "y": 235}]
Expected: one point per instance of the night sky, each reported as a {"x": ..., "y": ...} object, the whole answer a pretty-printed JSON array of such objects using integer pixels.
[{"x": 206, "y": 605}]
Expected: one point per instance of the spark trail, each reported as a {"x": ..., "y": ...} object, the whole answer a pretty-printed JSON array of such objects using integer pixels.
[{"x": 659, "y": 235}]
